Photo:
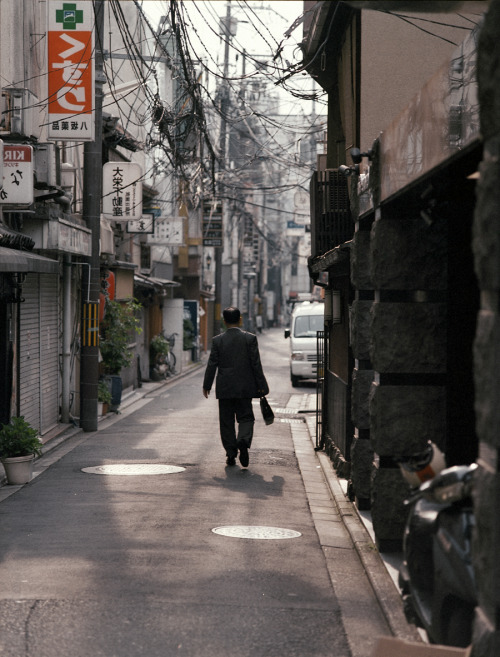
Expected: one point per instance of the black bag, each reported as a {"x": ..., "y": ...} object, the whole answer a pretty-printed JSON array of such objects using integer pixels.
[{"x": 267, "y": 411}]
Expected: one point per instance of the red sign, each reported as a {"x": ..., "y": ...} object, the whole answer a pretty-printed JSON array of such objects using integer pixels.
[{"x": 70, "y": 56}]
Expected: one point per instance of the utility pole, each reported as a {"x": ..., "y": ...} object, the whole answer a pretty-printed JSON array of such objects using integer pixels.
[
  {"x": 224, "y": 105},
  {"x": 92, "y": 192}
]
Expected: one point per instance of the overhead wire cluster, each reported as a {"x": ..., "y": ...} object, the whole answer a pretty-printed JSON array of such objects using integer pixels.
[
  {"x": 185, "y": 132},
  {"x": 198, "y": 108}
]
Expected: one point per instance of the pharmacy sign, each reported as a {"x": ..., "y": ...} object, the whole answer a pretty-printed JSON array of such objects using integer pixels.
[{"x": 70, "y": 75}]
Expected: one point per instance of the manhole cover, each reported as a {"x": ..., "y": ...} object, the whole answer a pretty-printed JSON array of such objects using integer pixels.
[
  {"x": 133, "y": 469},
  {"x": 243, "y": 531}
]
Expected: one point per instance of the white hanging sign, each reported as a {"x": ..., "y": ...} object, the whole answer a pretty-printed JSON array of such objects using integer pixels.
[
  {"x": 168, "y": 231},
  {"x": 17, "y": 175},
  {"x": 122, "y": 191},
  {"x": 144, "y": 225}
]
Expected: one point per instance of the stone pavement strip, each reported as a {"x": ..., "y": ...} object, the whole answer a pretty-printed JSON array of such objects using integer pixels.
[{"x": 341, "y": 531}]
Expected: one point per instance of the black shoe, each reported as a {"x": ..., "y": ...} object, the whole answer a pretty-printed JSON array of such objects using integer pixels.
[
  {"x": 231, "y": 460},
  {"x": 244, "y": 459}
]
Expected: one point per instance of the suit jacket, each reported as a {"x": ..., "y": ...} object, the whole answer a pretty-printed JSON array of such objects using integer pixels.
[{"x": 235, "y": 356}]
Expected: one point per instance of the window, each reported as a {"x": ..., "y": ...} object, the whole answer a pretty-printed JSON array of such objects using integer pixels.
[{"x": 307, "y": 325}]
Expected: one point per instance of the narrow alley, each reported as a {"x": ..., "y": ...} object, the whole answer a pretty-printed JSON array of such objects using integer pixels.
[{"x": 142, "y": 563}]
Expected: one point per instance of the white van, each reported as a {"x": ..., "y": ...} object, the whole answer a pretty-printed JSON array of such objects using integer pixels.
[{"x": 307, "y": 318}]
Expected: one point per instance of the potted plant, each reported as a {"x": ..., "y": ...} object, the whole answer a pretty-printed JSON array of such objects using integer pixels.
[
  {"x": 103, "y": 397},
  {"x": 117, "y": 327},
  {"x": 188, "y": 329},
  {"x": 158, "y": 347},
  {"x": 19, "y": 444}
]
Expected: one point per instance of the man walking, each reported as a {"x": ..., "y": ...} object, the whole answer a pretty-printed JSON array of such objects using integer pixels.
[{"x": 236, "y": 358}]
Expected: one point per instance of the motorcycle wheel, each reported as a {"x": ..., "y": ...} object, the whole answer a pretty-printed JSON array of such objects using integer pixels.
[{"x": 458, "y": 629}]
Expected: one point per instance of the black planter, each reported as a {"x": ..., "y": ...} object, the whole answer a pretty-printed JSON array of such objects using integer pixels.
[{"x": 114, "y": 382}]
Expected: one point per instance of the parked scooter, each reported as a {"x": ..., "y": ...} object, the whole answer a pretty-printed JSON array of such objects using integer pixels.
[{"x": 436, "y": 578}]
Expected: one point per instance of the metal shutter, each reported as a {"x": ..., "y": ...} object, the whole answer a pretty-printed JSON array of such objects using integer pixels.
[
  {"x": 29, "y": 354},
  {"x": 39, "y": 352},
  {"x": 49, "y": 351}
]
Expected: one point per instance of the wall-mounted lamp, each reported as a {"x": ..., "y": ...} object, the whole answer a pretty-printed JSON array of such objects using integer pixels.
[
  {"x": 336, "y": 307},
  {"x": 347, "y": 171},
  {"x": 357, "y": 155},
  {"x": 333, "y": 306}
]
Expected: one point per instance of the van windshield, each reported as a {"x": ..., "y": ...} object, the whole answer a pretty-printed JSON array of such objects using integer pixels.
[{"x": 307, "y": 325}]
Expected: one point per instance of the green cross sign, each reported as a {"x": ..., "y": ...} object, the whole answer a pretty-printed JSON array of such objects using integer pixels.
[{"x": 69, "y": 16}]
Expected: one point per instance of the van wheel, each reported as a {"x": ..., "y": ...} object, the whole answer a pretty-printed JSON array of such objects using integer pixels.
[{"x": 295, "y": 380}]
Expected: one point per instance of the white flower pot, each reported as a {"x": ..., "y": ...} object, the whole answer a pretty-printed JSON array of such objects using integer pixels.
[{"x": 19, "y": 469}]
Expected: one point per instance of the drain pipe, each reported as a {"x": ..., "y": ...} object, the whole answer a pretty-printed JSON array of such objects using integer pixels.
[{"x": 66, "y": 346}]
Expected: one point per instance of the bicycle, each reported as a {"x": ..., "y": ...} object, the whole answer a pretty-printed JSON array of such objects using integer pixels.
[
  {"x": 170, "y": 359},
  {"x": 165, "y": 361}
]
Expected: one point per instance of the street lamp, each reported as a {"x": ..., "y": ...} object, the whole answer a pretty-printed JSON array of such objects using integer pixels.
[{"x": 249, "y": 276}]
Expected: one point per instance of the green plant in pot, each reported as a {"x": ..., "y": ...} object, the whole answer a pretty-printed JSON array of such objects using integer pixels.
[
  {"x": 158, "y": 346},
  {"x": 19, "y": 444},
  {"x": 118, "y": 326},
  {"x": 104, "y": 395}
]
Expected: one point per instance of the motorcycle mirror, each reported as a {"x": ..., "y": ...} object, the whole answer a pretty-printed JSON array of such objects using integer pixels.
[{"x": 450, "y": 486}]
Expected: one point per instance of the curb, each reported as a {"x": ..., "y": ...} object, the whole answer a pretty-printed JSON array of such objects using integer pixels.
[{"x": 386, "y": 592}]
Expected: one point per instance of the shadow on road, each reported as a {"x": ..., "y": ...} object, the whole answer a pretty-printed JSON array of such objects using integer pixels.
[{"x": 253, "y": 485}]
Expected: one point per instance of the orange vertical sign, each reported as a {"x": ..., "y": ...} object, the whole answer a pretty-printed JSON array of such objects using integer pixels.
[{"x": 70, "y": 75}]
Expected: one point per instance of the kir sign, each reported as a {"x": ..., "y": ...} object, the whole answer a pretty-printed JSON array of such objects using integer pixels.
[
  {"x": 17, "y": 175},
  {"x": 70, "y": 75}
]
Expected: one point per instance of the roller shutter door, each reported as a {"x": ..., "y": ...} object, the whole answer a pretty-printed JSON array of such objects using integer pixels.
[
  {"x": 39, "y": 352},
  {"x": 49, "y": 350}
]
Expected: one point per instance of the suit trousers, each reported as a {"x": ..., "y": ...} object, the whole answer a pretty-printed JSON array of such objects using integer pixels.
[{"x": 239, "y": 410}]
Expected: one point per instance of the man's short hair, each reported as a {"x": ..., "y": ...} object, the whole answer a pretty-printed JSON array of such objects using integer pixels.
[{"x": 231, "y": 315}]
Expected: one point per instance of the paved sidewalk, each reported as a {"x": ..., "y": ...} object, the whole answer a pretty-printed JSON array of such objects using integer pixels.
[{"x": 317, "y": 469}]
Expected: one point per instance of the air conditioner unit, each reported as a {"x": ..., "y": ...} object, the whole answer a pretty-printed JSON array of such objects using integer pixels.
[
  {"x": 45, "y": 166},
  {"x": 107, "y": 238},
  {"x": 18, "y": 112}
]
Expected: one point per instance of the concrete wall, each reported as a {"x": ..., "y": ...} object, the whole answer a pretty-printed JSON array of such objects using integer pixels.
[{"x": 406, "y": 55}]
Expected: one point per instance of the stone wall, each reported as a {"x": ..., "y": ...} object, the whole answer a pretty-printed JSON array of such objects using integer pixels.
[
  {"x": 398, "y": 338},
  {"x": 486, "y": 245},
  {"x": 399, "y": 396},
  {"x": 361, "y": 448}
]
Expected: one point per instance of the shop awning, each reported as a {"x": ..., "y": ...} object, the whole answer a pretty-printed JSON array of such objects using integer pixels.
[
  {"x": 13, "y": 261},
  {"x": 150, "y": 281}
]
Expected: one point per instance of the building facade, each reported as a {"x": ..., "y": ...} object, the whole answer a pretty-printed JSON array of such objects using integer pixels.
[
  {"x": 404, "y": 242},
  {"x": 45, "y": 237}
]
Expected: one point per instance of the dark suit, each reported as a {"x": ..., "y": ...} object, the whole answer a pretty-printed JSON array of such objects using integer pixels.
[{"x": 236, "y": 359}]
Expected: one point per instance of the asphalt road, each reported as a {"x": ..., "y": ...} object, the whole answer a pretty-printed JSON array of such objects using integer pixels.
[{"x": 130, "y": 566}]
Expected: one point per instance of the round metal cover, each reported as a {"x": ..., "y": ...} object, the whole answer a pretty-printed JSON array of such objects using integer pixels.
[
  {"x": 133, "y": 469},
  {"x": 249, "y": 531}
]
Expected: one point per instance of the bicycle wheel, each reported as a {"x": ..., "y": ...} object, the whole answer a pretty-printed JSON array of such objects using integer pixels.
[{"x": 173, "y": 361}]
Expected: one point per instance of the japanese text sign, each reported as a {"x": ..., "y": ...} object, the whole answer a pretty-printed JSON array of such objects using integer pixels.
[
  {"x": 17, "y": 175},
  {"x": 168, "y": 231},
  {"x": 70, "y": 79},
  {"x": 122, "y": 191},
  {"x": 144, "y": 225}
]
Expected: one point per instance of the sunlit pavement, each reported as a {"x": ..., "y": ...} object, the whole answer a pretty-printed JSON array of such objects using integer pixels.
[{"x": 171, "y": 423}]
